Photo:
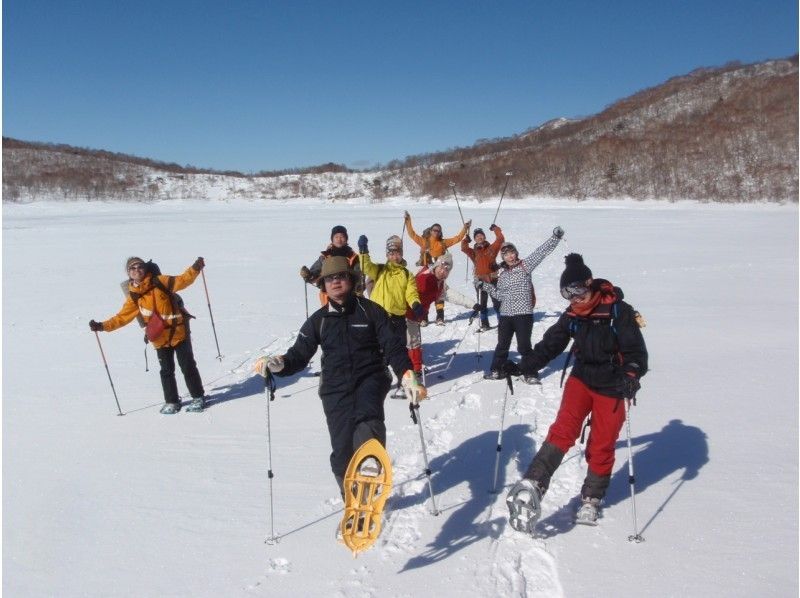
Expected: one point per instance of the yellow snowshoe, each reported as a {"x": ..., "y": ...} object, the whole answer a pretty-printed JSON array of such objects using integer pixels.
[{"x": 367, "y": 483}]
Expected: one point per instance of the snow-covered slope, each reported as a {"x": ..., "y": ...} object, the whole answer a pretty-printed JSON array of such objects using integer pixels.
[{"x": 150, "y": 505}]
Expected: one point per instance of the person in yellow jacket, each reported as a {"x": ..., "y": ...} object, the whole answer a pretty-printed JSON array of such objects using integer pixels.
[
  {"x": 152, "y": 296},
  {"x": 395, "y": 288},
  {"x": 432, "y": 246}
]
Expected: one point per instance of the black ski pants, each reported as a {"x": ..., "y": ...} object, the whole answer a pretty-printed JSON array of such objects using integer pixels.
[
  {"x": 166, "y": 359},
  {"x": 507, "y": 327},
  {"x": 483, "y": 300},
  {"x": 354, "y": 417}
]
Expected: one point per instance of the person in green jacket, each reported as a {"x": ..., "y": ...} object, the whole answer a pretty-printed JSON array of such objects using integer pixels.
[{"x": 395, "y": 288}]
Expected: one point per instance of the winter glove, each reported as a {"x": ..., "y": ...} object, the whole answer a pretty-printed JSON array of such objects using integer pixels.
[
  {"x": 305, "y": 273},
  {"x": 95, "y": 326},
  {"x": 199, "y": 264},
  {"x": 629, "y": 386},
  {"x": 407, "y": 216},
  {"x": 494, "y": 227},
  {"x": 468, "y": 224},
  {"x": 274, "y": 364},
  {"x": 478, "y": 284},
  {"x": 468, "y": 239},
  {"x": 417, "y": 310},
  {"x": 414, "y": 390},
  {"x": 558, "y": 232},
  {"x": 476, "y": 308},
  {"x": 362, "y": 244}
]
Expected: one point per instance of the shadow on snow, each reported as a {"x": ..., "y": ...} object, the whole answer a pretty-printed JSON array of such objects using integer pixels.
[
  {"x": 471, "y": 462},
  {"x": 673, "y": 448}
]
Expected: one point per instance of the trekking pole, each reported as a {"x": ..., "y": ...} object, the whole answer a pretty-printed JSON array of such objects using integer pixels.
[
  {"x": 105, "y": 363},
  {"x": 305, "y": 291},
  {"x": 208, "y": 301},
  {"x": 500, "y": 433},
  {"x": 636, "y": 537},
  {"x": 453, "y": 187},
  {"x": 269, "y": 390},
  {"x": 417, "y": 419},
  {"x": 455, "y": 352},
  {"x": 508, "y": 178}
]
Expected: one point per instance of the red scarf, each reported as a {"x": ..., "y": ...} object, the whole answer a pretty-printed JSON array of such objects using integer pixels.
[{"x": 604, "y": 294}]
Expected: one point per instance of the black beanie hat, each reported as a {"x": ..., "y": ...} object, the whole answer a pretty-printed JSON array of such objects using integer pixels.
[
  {"x": 478, "y": 231},
  {"x": 339, "y": 229},
  {"x": 576, "y": 270}
]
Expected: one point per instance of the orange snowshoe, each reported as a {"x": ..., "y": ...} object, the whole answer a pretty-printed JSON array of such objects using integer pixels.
[{"x": 367, "y": 483}]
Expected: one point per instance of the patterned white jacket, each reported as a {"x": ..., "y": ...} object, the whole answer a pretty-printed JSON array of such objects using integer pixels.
[{"x": 514, "y": 288}]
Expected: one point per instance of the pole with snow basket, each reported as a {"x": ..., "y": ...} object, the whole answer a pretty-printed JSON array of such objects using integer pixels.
[
  {"x": 208, "y": 302},
  {"x": 636, "y": 536},
  {"x": 502, "y": 195},
  {"x": 413, "y": 406},
  {"x": 453, "y": 187},
  {"x": 269, "y": 391},
  {"x": 105, "y": 363},
  {"x": 509, "y": 387}
]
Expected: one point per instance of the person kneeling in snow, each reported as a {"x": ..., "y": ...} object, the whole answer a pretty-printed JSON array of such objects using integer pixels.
[
  {"x": 610, "y": 357},
  {"x": 355, "y": 337},
  {"x": 153, "y": 297}
]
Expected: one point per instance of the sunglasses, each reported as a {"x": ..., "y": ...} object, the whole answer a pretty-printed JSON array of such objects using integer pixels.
[
  {"x": 574, "y": 290},
  {"x": 436, "y": 230},
  {"x": 335, "y": 277},
  {"x": 136, "y": 267}
]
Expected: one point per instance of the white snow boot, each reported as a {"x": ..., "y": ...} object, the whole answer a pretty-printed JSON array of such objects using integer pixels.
[
  {"x": 588, "y": 512},
  {"x": 170, "y": 408},
  {"x": 197, "y": 405}
]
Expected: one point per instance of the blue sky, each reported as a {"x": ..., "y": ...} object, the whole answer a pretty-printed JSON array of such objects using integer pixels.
[{"x": 259, "y": 85}]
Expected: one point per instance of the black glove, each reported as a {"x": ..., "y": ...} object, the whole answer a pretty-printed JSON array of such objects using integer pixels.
[
  {"x": 305, "y": 273},
  {"x": 95, "y": 326},
  {"x": 468, "y": 239},
  {"x": 629, "y": 386},
  {"x": 362, "y": 244},
  {"x": 478, "y": 284},
  {"x": 493, "y": 227},
  {"x": 476, "y": 307},
  {"x": 558, "y": 232},
  {"x": 199, "y": 264},
  {"x": 417, "y": 310}
]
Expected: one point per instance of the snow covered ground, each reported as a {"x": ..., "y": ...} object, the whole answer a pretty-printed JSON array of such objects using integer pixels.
[{"x": 149, "y": 505}]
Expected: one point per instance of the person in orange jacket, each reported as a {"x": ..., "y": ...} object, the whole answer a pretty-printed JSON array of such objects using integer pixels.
[
  {"x": 152, "y": 297},
  {"x": 484, "y": 257},
  {"x": 433, "y": 246}
]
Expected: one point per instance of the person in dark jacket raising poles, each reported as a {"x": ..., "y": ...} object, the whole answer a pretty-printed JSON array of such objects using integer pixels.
[
  {"x": 355, "y": 337},
  {"x": 610, "y": 358}
]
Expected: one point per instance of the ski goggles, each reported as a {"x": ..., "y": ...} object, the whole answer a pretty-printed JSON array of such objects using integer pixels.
[
  {"x": 136, "y": 266},
  {"x": 574, "y": 290},
  {"x": 436, "y": 230}
]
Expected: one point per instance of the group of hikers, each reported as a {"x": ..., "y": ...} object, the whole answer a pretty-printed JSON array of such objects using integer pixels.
[{"x": 371, "y": 317}]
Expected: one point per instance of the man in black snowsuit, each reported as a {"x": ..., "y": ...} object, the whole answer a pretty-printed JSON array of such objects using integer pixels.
[
  {"x": 610, "y": 358},
  {"x": 355, "y": 337}
]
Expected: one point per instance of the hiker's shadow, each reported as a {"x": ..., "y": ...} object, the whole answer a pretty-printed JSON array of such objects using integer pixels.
[
  {"x": 674, "y": 448},
  {"x": 255, "y": 385},
  {"x": 472, "y": 462}
]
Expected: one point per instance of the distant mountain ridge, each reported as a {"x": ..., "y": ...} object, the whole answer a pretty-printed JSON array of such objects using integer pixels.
[{"x": 717, "y": 134}]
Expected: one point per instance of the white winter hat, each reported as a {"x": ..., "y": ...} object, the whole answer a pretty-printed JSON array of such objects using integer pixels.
[{"x": 445, "y": 260}]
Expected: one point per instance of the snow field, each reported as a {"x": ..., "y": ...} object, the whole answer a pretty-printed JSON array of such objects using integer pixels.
[{"x": 147, "y": 505}]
